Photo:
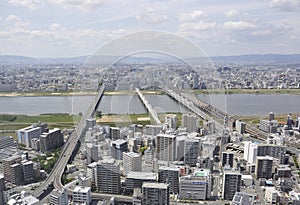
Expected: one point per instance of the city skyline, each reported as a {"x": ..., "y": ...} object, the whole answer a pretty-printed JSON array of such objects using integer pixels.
[{"x": 68, "y": 28}]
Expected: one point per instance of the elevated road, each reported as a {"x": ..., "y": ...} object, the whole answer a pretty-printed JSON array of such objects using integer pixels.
[
  {"x": 54, "y": 178},
  {"x": 209, "y": 112},
  {"x": 148, "y": 107}
]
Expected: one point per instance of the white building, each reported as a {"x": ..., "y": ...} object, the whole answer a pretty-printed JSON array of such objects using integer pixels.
[
  {"x": 91, "y": 152},
  {"x": 166, "y": 147},
  {"x": 196, "y": 186},
  {"x": 59, "y": 197},
  {"x": 91, "y": 170},
  {"x": 82, "y": 195},
  {"x": 191, "y": 122},
  {"x": 250, "y": 152},
  {"x": 132, "y": 162},
  {"x": 26, "y": 134}
]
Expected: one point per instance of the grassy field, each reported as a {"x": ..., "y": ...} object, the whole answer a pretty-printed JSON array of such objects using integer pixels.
[
  {"x": 126, "y": 120},
  {"x": 249, "y": 91}
]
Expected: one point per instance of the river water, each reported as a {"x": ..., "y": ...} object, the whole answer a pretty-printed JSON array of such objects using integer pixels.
[{"x": 236, "y": 104}]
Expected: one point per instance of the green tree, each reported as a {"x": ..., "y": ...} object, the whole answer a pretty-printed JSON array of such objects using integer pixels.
[{"x": 99, "y": 114}]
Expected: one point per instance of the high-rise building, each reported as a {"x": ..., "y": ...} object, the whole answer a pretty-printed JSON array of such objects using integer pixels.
[
  {"x": 2, "y": 188},
  {"x": 271, "y": 116},
  {"x": 191, "y": 151},
  {"x": 115, "y": 133},
  {"x": 240, "y": 127},
  {"x": 132, "y": 162},
  {"x": 195, "y": 81},
  {"x": 250, "y": 152},
  {"x": 82, "y": 195},
  {"x": 136, "y": 180},
  {"x": 7, "y": 141},
  {"x": 59, "y": 197},
  {"x": 275, "y": 151},
  {"x": 263, "y": 168},
  {"x": 51, "y": 140},
  {"x": 118, "y": 147},
  {"x": 28, "y": 171},
  {"x": 148, "y": 155},
  {"x": 166, "y": 147},
  {"x": 246, "y": 149},
  {"x": 155, "y": 193},
  {"x": 16, "y": 174},
  {"x": 108, "y": 176},
  {"x": 196, "y": 186},
  {"x": 6, "y": 163},
  {"x": 231, "y": 184},
  {"x": 91, "y": 153},
  {"x": 171, "y": 120},
  {"x": 227, "y": 159},
  {"x": 26, "y": 134},
  {"x": 269, "y": 126},
  {"x": 91, "y": 170},
  {"x": 152, "y": 130},
  {"x": 169, "y": 175},
  {"x": 191, "y": 122}
]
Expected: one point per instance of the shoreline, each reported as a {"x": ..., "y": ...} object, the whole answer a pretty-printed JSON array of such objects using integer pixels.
[{"x": 155, "y": 92}]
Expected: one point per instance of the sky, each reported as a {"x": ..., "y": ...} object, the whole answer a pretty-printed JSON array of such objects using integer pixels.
[{"x": 69, "y": 28}]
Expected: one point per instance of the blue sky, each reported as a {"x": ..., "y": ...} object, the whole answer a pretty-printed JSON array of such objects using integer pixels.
[{"x": 66, "y": 28}]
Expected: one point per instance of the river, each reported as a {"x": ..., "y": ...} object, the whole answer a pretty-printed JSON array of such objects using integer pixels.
[{"x": 236, "y": 104}]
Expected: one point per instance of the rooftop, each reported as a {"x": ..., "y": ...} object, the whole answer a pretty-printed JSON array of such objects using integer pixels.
[
  {"x": 155, "y": 185},
  {"x": 82, "y": 189},
  {"x": 142, "y": 175}
]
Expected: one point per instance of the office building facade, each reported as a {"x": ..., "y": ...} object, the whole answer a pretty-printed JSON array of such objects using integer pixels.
[
  {"x": 166, "y": 147},
  {"x": 191, "y": 122},
  {"x": 231, "y": 184},
  {"x": 263, "y": 168},
  {"x": 169, "y": 175},
  {"x": 131, "y": 162},
  {"x": 155, "y": 193},
  {"x": 108, "y": 176},
  {"x": 51, "y": 140}
]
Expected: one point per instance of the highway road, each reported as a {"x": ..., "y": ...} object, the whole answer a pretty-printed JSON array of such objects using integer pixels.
[
  {"x": 148, "y": 107},
  {"x": 54, "y": 178}
]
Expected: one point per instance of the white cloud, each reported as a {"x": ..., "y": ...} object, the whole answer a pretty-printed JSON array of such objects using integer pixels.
[
  {"x": 85, "y": 5},
  {"x": 55, "y": 27},
  {"x": 231, "y": 13},
  {"x": 197, "y": 26},
  {"x": 0, "y": 18},
  {"x": 31, "y": 4},
  {"x": 194, "y": 15},
  {"x": 21, "y": 24},
  {"x": 150, "y": 15},
  {"x": 12, "y": 18},
  {"x": 286, "y": 5},
  {"x": 238, "y": 25}
]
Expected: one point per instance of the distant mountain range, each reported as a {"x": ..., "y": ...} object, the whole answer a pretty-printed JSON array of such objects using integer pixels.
[{"x": 251, "y": 58}]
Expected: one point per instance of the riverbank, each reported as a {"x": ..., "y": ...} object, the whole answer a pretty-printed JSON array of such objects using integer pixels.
[
  {"x": 249, "y": 91},
  {"x": 46, "y": 94},
  {"x": 281, "y": 118},
  {"x": 84, "y": 93},
  {"x": 154, "y": 92}
]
